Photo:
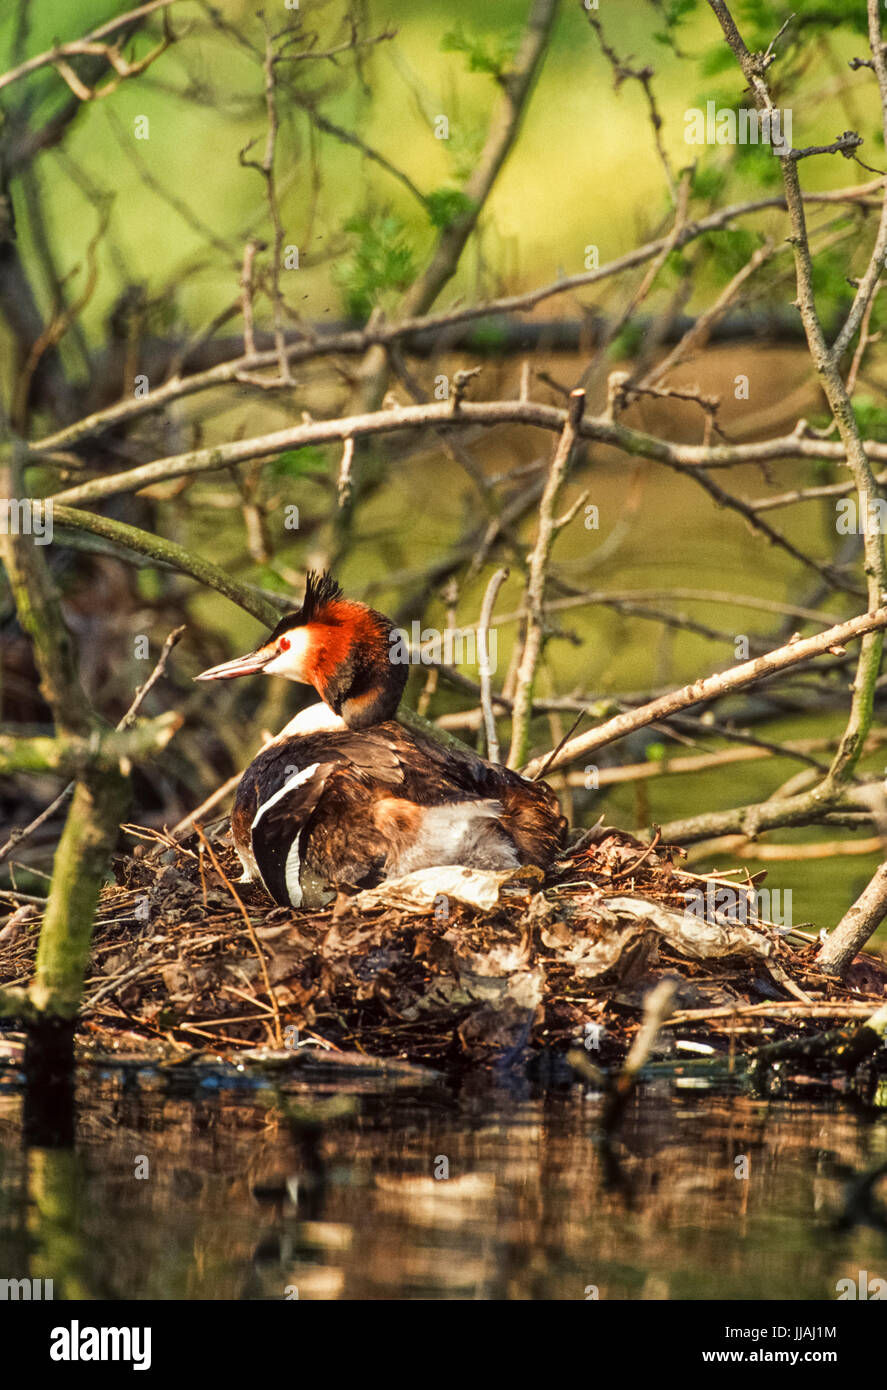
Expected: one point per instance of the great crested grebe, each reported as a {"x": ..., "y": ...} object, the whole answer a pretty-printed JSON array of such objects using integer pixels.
[{"x": 346, "y": 794}]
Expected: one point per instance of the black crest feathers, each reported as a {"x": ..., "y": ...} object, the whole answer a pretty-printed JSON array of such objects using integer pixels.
[{"x": 320, "y": 589}]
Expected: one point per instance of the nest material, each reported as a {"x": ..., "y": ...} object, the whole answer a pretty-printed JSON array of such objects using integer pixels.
[{"x": 185, "y": 956}]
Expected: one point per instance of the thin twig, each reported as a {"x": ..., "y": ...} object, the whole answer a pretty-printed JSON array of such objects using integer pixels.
[
  {"x": 266, "y": 169},
  {"x": 91, "y": 45},
  {"x": 278, "y": 1031},
  {"x": 484, "y": 672},
  {"x": 246, "y": 295},
  {"x": 699, "y": 692},
  {"x": 537, "y": 574},
  {"x": 125, "y": 723},
  {"x": 343, "y": 484}
]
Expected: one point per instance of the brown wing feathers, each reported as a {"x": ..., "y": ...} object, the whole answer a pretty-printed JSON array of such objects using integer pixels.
[{"x": 349, "y": 801}]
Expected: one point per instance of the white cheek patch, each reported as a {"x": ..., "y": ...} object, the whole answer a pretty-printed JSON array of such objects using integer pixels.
[{"x": 292, "y": 663}]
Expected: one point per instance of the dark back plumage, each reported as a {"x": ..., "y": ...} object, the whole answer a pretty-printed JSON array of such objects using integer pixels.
[{"x": 349, "y": 801}]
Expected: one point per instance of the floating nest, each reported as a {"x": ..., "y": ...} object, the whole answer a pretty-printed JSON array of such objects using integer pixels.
[{"x": 446, "y": 967}]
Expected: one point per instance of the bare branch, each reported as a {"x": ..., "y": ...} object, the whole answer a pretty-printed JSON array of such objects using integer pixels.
[
  {"x": 358, "y": 341},
  {"x": 856, "y": 926},
  {"x": 682, "y": 457},
  {"x": 91, "y": 46},
  {"x": 535, "y": 593},
  {"x": 486, "y": 613},
  {"x": 713, "y": 687},
  {"x": 246, "y": 295},
  {"x": 343, "y": 487},
  {"x": 703, "y": 762},
  {"x": 826, "y": 363}
]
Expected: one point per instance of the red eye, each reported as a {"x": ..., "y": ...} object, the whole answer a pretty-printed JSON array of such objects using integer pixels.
[{"x": 283, "y": 644}]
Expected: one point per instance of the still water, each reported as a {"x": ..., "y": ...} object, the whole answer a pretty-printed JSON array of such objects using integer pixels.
[{"x": 392, "y": 1188}]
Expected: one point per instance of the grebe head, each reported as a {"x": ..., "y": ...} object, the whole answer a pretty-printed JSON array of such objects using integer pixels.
[{"x": 342, "y": 648}]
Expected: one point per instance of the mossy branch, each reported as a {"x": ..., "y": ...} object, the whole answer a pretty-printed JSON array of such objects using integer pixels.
[
  {"x": 104, "y": 749},
  {"x": 78, "y": 872},
  {"x": 169, "y": 553},
  {"x": 38, "y": 608},
  {"x": 98, "y": 756},
  {"x": 101, "y": 795}
]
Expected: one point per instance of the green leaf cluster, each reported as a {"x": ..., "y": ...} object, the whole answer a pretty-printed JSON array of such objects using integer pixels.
[
  {"x": 490, "y": 55},
  {"x": 382, "y": 261},
  {"x": 447, "y": 205}
]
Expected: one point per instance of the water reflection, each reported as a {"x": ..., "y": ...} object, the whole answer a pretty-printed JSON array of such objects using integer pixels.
[{"x": 435, "y": 1193}]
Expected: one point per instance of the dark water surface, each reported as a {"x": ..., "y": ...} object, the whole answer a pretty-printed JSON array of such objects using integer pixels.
[{"x": 239, "y": 1201}]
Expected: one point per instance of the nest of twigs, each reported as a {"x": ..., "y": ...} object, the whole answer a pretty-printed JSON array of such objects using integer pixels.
[{"x": 184, "y": 956}]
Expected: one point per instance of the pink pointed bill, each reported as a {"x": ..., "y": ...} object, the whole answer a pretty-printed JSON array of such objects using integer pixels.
[{"x": 241, "y": 666}]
